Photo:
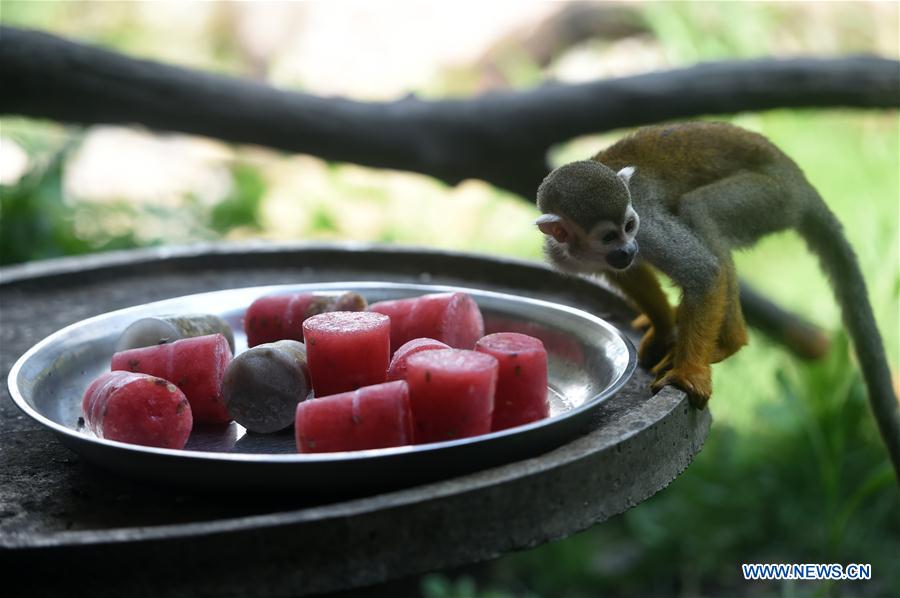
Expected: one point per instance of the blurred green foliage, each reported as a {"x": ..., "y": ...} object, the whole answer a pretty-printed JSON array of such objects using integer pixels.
[
  {"x": 38, "y": 220},
  {"x": 792, "y": 471},
  {"x": 241, "y": 207},
  {"x": 34, "y": 222},
  {"x": 810, "y": 484}
]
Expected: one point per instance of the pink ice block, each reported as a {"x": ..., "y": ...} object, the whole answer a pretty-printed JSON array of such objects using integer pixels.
[
  {"x": 277, "y": 317},
  {"x": 522, "y": 378},
  {"x": 452, "y": 318},
  {"x": 137, "y": 408},
  {"x": 451, "y": 392},
  {"x": 397, "y": 369},
  {"x": 371, "y": 417},
  {"x": 195, "y": 365},
  {"x": 347, "y": 350}
]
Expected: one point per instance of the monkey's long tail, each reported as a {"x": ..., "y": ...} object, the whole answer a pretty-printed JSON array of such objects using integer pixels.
[{"x": 825, "y": 237}]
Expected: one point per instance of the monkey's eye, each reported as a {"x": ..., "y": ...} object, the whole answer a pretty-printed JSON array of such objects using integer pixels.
[
  {"x": 610, "y": 237},
  {"x": 629, "y": 226}
]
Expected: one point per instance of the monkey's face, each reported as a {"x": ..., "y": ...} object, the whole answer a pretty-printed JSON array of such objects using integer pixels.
[
  {"x": 608, "y": 245},
  {"x": 588, "y": 218}
]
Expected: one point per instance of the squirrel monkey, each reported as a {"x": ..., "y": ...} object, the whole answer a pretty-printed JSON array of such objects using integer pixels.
[{"x": 677, "y": 199}]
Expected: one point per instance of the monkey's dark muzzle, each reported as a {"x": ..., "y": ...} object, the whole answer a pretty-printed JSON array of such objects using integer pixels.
[{"x": 621, "y": 258}]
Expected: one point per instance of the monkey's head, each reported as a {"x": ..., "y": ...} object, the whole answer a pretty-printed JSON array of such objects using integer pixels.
[{"x": 587, "y": 217}]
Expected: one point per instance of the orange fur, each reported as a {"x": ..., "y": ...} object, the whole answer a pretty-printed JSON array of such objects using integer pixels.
[
  {"x": 699, "y": 325},
  {"x": 733, "y": 333}
]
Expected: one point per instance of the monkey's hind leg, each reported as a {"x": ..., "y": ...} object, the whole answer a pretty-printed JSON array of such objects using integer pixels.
[
  {"x": 734, "y": 211},
  {"x": 733, "y": 332},
  {"x": 710, "y": 325},
  {"x": 699, "y": 322}
]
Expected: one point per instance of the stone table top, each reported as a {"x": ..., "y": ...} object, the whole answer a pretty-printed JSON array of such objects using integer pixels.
[{"x": 75, "y": 529}]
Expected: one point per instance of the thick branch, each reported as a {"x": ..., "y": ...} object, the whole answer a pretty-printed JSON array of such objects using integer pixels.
[{"x": 501, "y": 138}]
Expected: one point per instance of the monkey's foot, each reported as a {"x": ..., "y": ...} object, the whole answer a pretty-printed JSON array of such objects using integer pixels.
[
  {"x": 696, "y": 381},
  {"x": 655, "y": 349},
  {"x": 642, "y": 322}
]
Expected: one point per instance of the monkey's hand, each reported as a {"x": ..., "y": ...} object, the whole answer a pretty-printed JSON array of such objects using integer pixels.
[
  {"x": 695, "y": 380},
  {"x": 642, "y": 322},
  {"x": 654, "y": 348}
]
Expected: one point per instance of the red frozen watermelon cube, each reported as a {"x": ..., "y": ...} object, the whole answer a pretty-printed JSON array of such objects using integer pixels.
[
  {"x": 347, "y": 350},
  {"x": 137, "y": 408},
  {"x": 451, "y": 392},
  {"x": 397, "y": 369},
  {"x": 521, "y": 395},
  {"x": 371, "y": 417},
  {"x": 556, "y": 342},
  {"x": 195, "y": 365},
  {"x": 452, "y": 318},
  {"x": 276, "y": 317}
]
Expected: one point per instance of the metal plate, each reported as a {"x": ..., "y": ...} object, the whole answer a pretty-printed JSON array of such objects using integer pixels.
[{"x": 589, "y": 360}]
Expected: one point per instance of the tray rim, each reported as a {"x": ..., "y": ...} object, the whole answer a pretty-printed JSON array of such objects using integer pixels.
[
  {"x": 76, "y": 436},
  {"x": 118, "y": 259},
  {"x": 665, "y": 405}
]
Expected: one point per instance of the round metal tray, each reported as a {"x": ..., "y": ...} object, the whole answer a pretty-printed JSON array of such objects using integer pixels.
[{"x": 589, "y": 360}]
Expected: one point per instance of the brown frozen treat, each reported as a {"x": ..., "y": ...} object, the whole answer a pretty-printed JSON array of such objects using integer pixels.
[
  {"x": 263, "y": 385},
  {"x": 159, "y": 330},
  {"x": 348, "y": 301}
]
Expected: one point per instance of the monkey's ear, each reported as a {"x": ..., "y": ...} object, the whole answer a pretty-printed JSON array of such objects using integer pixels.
[
  {"x": 551, "y": 224},
  {"x": 625, "y": 174}
]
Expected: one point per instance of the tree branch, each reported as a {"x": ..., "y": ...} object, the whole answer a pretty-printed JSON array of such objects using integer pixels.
[{"x": 500, "y": 137}]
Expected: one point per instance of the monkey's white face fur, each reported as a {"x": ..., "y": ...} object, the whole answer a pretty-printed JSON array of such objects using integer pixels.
[{"x": 608, "y": 245}]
